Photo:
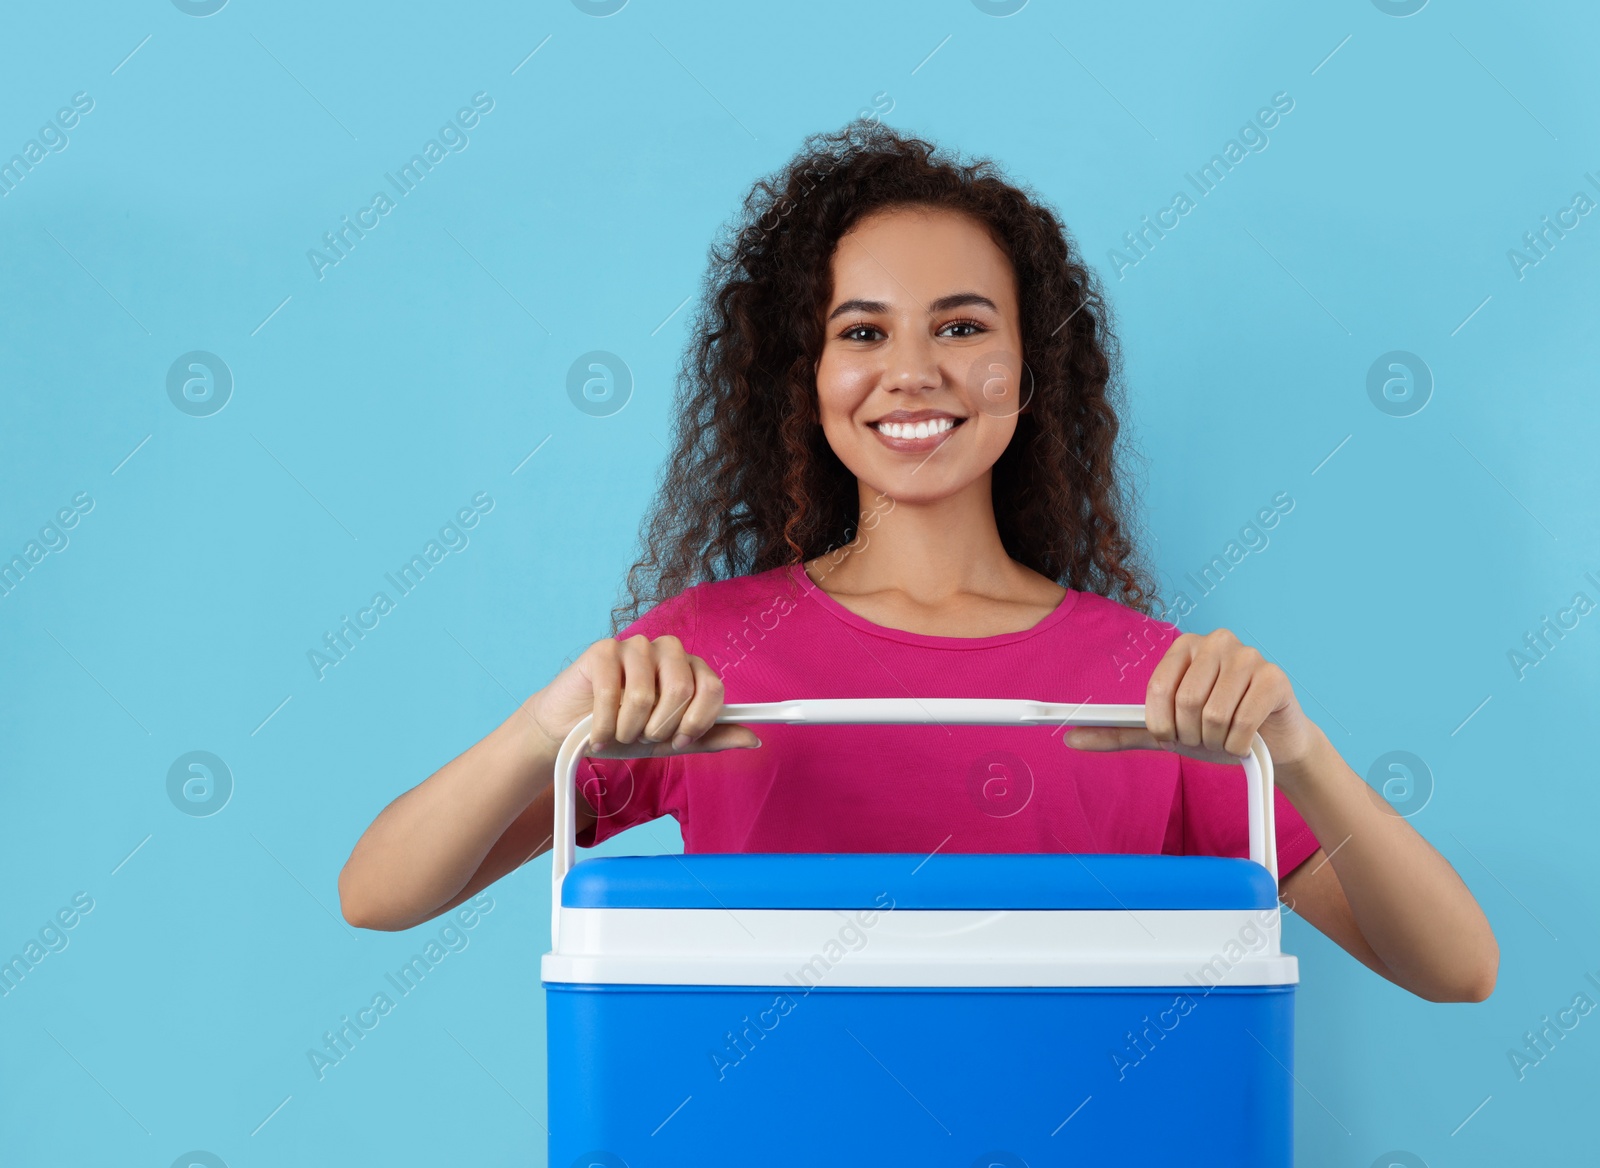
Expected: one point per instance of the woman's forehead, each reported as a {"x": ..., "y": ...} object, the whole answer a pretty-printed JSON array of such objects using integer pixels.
[{"x": 902, "y": 256}]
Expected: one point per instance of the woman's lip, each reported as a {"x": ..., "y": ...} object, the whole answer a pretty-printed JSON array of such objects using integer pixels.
[
  {"x": 916, "y": 445},
  {"x": 914, "y": 416}
]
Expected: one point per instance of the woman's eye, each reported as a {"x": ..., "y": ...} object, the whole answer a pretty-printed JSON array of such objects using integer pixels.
[
  {"x": 853, "y": 332},
  {"x": 973, "y": 327}
]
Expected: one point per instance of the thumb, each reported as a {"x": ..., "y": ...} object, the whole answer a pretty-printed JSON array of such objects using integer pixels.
[
  {"x": 1114, "y": 738},
  {"x": 1137, "y": 738},
  {"x": 723, "y": 736}
]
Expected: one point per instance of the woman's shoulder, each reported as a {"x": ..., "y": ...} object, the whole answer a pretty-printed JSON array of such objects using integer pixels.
[
  {"x": 1094, "y": 615},
  {"x": 715, "y": 604},
  {"x": 1114, "y": 645}
]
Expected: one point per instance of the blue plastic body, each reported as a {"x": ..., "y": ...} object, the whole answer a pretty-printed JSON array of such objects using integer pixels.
[
  {"x": 668, "y": 1075},
  {"x": 1026, "y": 880}
]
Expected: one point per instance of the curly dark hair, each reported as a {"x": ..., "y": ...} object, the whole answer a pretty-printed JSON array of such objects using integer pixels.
[{"x": 752, "y": 484}]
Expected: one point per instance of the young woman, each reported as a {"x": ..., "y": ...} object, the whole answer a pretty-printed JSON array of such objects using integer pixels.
[{"x": 894, "y": 476}]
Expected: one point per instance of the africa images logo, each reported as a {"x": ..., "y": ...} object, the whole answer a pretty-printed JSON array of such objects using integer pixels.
[
  {"x": 1399, "y": 383},
  {"x": 599, "y": 383},
  {"x": 199, "y": 383}
]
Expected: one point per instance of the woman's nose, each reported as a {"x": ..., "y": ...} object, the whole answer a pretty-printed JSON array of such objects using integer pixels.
[{"x": 912, "y": 364}]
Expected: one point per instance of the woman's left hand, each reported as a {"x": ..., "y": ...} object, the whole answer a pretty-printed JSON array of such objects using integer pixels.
[{"x": 1206, "y": 698}]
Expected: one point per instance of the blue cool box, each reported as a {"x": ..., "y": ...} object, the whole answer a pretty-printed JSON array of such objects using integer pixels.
[
  {"x": 902, "y": 1009},
  {"x": 953, "y": 1009}
]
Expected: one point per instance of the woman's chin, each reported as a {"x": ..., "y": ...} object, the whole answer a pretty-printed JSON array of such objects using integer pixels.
[{"x": 917, "y": 486}]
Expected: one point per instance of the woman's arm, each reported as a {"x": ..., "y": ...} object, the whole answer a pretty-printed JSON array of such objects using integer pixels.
[
  {"x": 1377, "y": 888},
  {"x": 1385, "y": 895},
  {"x": 490, "y": 809},
  {"x": 478, "y": 817}
]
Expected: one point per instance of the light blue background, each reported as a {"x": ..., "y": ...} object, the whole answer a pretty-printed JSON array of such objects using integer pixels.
[{"x": 370, "y": 405}]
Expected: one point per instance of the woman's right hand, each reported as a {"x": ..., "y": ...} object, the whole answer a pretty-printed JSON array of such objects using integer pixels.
[{"x": 645, "y": 695}]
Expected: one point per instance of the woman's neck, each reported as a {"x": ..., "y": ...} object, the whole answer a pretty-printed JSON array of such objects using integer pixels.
[{"x": 932, "y": 555}]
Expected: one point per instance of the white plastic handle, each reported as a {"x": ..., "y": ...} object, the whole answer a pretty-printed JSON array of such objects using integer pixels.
[{"x": 898, "y": 711}]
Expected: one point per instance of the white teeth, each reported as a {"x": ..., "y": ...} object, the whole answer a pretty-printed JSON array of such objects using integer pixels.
[{"x": 916, "y": 429}]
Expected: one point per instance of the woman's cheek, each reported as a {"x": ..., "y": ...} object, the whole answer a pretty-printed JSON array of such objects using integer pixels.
[
  {"x": 996, "y": 382},
  {"x": 840, "y": 378},
  {"x": 993, "y": 436},
  {"x": 841, "y": 391}
]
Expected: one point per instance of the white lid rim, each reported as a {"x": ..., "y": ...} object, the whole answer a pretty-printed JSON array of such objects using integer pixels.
[{"x": 1180, "y": 976}]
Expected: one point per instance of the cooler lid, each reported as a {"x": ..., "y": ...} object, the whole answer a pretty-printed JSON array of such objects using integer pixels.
[{"x": 911, "y": 881}]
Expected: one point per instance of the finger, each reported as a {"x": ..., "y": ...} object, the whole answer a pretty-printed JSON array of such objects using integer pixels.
[
  {"x": 1221, "y": 708},
  {"x": 702, "y": 711},
  {"x": 1159, "y": 712},
  {"x": 675, "y": 687},
  {"x": 638, "y": 688},
  {"x": 605, "y": 680},
  {"x": 1260, "y": 699},
  {"x": 1192, "y": 693}
]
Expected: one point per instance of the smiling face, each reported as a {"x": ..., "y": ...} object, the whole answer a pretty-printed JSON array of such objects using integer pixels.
[{"x": 918, "y": 381}]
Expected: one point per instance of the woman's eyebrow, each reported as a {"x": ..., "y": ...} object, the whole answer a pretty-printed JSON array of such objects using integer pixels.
[
  {"x": 943, "y": 304},
  {"x": 858, "y": 305},
  {"x": 962, "y": 300}
]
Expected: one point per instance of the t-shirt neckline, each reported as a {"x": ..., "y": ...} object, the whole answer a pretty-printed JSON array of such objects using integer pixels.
[{"x": 928, "y": 640}]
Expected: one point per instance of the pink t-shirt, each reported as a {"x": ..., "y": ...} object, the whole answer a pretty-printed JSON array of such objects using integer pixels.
[{"x": 776, "y": 635}]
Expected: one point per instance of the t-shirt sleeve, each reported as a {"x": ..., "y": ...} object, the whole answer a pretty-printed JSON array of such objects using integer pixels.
[
  {"x": 1215, "y": 817},
  {"x": 625, "y": 792}
]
